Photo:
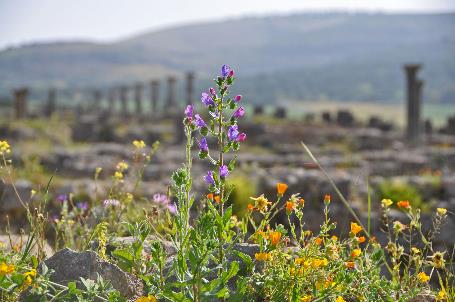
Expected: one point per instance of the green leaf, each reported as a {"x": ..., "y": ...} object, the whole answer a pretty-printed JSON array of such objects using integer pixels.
[
  {"x": 227, "y": 215},
  {"x": 204, "y": 131},
  {"x": 246, "y": 260}
]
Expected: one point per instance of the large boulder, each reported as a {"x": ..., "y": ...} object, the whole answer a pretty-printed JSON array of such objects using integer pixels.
[{"x": 69, "y": 265}]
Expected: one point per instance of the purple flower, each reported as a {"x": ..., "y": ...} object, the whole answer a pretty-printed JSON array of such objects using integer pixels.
[
  {"x": 215, "y": 113},
  {"x": 160, "y": 198},
  {"x": 212, "y": 91},
  {"x": 172, "y": 208},
  {"x": 224, "y": 171},
  {"x": 199, "y": 121},
  {"x": 111, "y": 202},
  {"x": 207, "y": 99},
  {"x": 209, "y": 178},
  {"x": 241, "y": 137},
  {"x": 82, "y": 205},
  {"x": 225, "y": 71},
  {"x": 189, "y": 111},
  {"x": 203, "y": 145},
  {"x": 239, "y": 112},
  {"x": 62, "y": 197},
  {"x": 237, "y": 98},
  {"x": 233, "y": 132}
]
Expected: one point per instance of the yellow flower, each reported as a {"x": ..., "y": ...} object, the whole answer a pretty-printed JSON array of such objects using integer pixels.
[
  {"x": 334, "y": 238},
  {"x": 340, "y": 299},
  {"x": 149, "y": 298},
  {"x": 281, "y": 188},
  {"x": 32, "y": 193},
  {"x": 306, "y": 298},
  {"x": 350, "y": 264},
  {"x": 398, "y": 226},
  {"x": 423, "y": 277},
  {"x": 355, "y": 228},
  {"x": 262, "y": 256},
  {"x": 441, "y": 295},
  {"x": 139, "y": 144},
  {"x": 28, "y": 277},
  {"x": 274, "y": 237},
  {"x": 118, "y": 175},
  {"x": 415, "y": 250},
  {"x": 438, "y": 260},
  {"x": 6, "y": 269},
  {"x": 355, "y": 253},
  {"x": 318, "y": 241},
  {"x": 316, "y": 263},
  {"x": 441, "y": 211},
  {"x": 122, "y": 166},
  {"x": 262, "y": 203},
  {"x": 4, "y": 148},
  {"x": 385, "y": 203}
]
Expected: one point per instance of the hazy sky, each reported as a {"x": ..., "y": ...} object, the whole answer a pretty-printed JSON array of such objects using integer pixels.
[{"x": 44, "y": 20}]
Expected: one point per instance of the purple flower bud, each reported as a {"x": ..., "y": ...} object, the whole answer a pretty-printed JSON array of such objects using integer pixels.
[
  {"x": 225, "y": 71},
  {"x": 237, "y": 98},
  {"x": 199, "y": 121},
  {"x": 82, "y": 205},
  {"x": 233, "y": 132},
  {"x": 239, "y": 112},
  {"x": 209, "y": 178},
  {"x": 224, "y": 172},
  {"x": 189, "y": 111},
  {"x": 212, "y": 91},
  {"x": 203, "y": 145},
  {"x": 160, "y": 198},
  {"x": 241, "y": 137},
  {"x": 207, "y": 99},
  {"x": 231, "y": 73},
  {"x": 62, "y": 197},
  {"x": 172, "y": 208}
]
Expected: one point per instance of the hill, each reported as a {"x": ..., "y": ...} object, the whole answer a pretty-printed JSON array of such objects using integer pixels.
[{"x": 339, "y": 56}]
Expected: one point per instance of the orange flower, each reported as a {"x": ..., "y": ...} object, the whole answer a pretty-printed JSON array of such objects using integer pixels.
[
  {"x": 350, "y": 264},
  {"x": 355, "y": 228},
  {"x": 404, "y": 204},
  {"x": 302, "y": 202},
  {"x": 361, "y": 239},
  {"x": 274, "y": 237},
  {"x": 290, "y": 205},
  {"x": 250, "y": 207},
  {"x": 327, "y": 199},
  {"x": 281, "y": 188},
  {"x": 210, "y": 196},
  {"x": 318, "y": 241},
  {"x": 217, "y": 199}
]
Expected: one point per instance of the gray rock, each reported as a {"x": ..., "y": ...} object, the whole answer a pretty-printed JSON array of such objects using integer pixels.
[
  {"x": 69, "y": 265},
  {"x": 19, "y": 241},
  {"x": 9, "y": 201}
]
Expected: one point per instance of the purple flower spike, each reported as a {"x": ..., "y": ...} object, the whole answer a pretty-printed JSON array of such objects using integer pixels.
[
  {"x": 207, "y": 99},
  {"x": 241, "y": 137},
  {"x": 224, "y": 172},
  {"x": 82, "y": 205},
  {"x": 237, "y": 98},
  {"x": 225, "y": 71},
  {"x": 209, "y": 178},
  {"x": 239, "y": 112},
  {"x": 233, "y": 132},
  {"x": 189, "y": 111},
  {"x": 199, "y": 121},
  {"x": 203, "y": 145}
]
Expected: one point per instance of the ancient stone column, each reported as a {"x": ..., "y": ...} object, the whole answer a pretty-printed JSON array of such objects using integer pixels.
[
  {"x": 50, "y": 105},
  {"x": 154, "y": 90},
  {"x": 124, "y": 99},
  {"x": 171, "y": 102},
  {"x": 413, "y": 102},
  {"x": 138, "y": 89},
  {"x": 20, "y": 102},
  {"x": 189, "y": 87}
]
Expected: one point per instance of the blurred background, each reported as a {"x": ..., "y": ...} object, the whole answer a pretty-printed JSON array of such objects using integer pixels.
[{"x": 368, "y": 85}]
